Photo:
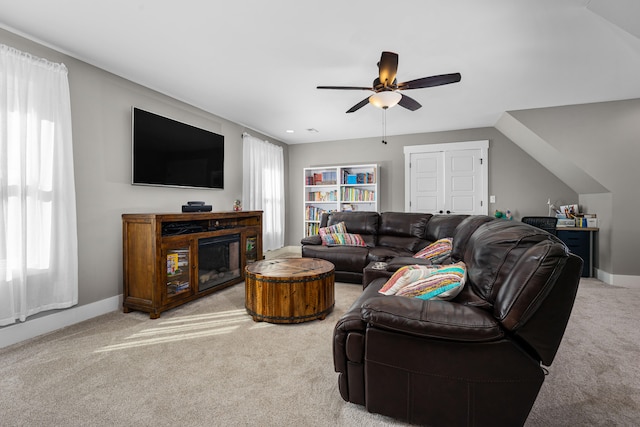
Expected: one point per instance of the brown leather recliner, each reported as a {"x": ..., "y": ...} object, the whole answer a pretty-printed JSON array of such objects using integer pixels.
[{"x": 476, "y": 360}]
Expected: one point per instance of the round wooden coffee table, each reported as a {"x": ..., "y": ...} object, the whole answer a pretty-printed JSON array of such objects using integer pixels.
[{"x": 289, "y": 290}]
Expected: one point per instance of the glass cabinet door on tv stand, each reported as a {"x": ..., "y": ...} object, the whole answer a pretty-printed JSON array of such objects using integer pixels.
[{"x": 178, "y": 281}]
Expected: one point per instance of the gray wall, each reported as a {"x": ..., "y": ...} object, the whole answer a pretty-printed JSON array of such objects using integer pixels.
[
  {"x": 519, "y": 182},
  {"x": 604, "y": 140},
  {"x": 101, "y": 113}
]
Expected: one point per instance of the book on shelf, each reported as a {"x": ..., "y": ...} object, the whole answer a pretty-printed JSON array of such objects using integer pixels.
[
  {"x": 311, "y": 229},
  {"x": 351, "y": 194},
  {"x": 322, "y": 196},
  {"x": 172, "y": 264},
  {"x": 313, "y": 213},
  {"x": 349, "y": 178},
  {"x": 345, "y": 176},
  {"x": 328, "y": 177}
]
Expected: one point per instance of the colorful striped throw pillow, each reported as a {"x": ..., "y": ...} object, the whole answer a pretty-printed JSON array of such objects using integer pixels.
[
  {"x": 336, "y": 235},
  {"x": 335, "y": 228},
  {"x": 343, "y": 239},
  {"x": 437, "y": 251}
]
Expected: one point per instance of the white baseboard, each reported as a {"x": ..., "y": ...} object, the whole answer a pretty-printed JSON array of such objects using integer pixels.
[
  {"x": 632, "y": 282},
  {"x": 18, "y": 332},
  {"x": 604, "y": 276}
]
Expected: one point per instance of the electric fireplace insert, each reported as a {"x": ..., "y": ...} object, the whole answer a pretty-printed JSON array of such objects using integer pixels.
[{"x": 218, "y": 260}]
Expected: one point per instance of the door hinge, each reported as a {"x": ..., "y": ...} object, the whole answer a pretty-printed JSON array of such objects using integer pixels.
[
  {"x": 481, "y": 160},
  {"x": 481, "y": 203}
]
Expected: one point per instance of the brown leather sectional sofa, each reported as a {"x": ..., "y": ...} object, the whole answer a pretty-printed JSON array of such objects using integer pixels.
[
  {"x": 388, "y": 235},
  {"x": 477, "y": 360}
]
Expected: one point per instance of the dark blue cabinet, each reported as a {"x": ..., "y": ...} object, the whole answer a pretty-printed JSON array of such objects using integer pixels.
[{"x": 579, "y": 242}]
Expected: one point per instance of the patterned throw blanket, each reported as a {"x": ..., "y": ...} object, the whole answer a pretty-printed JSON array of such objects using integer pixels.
[{"x": 426, "y": 282}]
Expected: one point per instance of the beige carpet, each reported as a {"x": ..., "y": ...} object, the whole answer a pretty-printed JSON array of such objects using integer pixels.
[{"x": 208, "y": 364}]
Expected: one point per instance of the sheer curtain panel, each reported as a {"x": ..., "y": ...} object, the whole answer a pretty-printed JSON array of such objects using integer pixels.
[
  {"x": 38, "y": 237},
  {"x": 263, "y": 187}
]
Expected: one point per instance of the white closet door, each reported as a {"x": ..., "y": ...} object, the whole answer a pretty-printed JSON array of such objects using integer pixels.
[
  {"x": 427, "y": 193},
  {"x": 462, "y": 178},
  {"x": 447, "y": 178}
]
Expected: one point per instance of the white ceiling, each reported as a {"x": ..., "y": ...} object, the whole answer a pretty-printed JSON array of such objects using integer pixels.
[{"x": 257, "y": 62}]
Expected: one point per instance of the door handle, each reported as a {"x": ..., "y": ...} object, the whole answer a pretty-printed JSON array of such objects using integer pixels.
[
  {"x": 448, "y": 212},
  {"x": 440, "y": 211}
]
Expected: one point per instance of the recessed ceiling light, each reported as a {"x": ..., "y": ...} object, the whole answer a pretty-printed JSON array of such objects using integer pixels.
[{"x": 289, "y": 131}]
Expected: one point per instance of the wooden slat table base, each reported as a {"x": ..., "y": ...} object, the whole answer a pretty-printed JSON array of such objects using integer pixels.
[{"x": 291, "y": 290}]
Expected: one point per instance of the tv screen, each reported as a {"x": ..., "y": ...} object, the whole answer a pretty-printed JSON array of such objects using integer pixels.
[{"x": 171, "y": 153}]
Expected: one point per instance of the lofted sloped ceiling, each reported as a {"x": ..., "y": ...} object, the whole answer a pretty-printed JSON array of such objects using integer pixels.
[
  {"x": 257, "y": 63},
  {"x": 546, "y": 154},
  {"x": 624, "y": 14}
]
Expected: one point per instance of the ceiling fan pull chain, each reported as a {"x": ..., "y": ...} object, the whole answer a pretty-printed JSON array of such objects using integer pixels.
[{"x": 384, "y": 125}]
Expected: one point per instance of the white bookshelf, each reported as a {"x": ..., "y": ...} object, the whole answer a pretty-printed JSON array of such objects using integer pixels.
[{"x": 338, "y": 189}]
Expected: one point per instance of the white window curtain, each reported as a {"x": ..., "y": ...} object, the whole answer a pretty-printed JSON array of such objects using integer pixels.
[
  {"x": 263, "y": 187},
  {"x": 38, "y": 237}
]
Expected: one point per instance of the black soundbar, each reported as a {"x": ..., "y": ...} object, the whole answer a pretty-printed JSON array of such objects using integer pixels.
[{"x": 197, "y": 208}]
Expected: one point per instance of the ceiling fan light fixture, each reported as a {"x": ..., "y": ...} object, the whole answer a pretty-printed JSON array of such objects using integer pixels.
[{"x": 385, "y": 99}]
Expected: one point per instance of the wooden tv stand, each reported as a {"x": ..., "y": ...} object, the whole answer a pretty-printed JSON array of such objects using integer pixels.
[{"x": 161, "y": 266}]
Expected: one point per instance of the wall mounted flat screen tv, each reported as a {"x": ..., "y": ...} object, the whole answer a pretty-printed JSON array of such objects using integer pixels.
[{"x": 170, "y": 153}]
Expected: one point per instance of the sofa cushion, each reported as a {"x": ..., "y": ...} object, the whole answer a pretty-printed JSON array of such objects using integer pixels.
[
  {"x": 356, "y": 222},
  {"x": 496, "y": 248},
  {"x": 314, "y": 239},
  {"x": 362, "y": 223},
  {"x": 463, "y": 232},
  {"x": 344, "y": 258},
  {"x": 400, "y": 242},
  {"x": 441, "y": 226},
  {"x": 403, "y": 230},
  {"x": 431, "y": 319}
]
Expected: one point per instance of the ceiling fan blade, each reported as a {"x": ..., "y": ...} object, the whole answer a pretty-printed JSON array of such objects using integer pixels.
[
  {"x": 409, "y": 103},
  {"x": 388, "y": 68},
  {"x": 443, "y": 79},
  {"x": 345, "y": 87},
  {"x": 358, "y": 106}
]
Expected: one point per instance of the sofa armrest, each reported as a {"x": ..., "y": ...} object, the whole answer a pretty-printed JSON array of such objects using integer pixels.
[
  {"x": 311, "y": 240},
  {"x": 431, "y": 319}
]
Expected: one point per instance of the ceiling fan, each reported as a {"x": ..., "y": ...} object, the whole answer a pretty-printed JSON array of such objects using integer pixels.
[{"x": 387, "y": 89}]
